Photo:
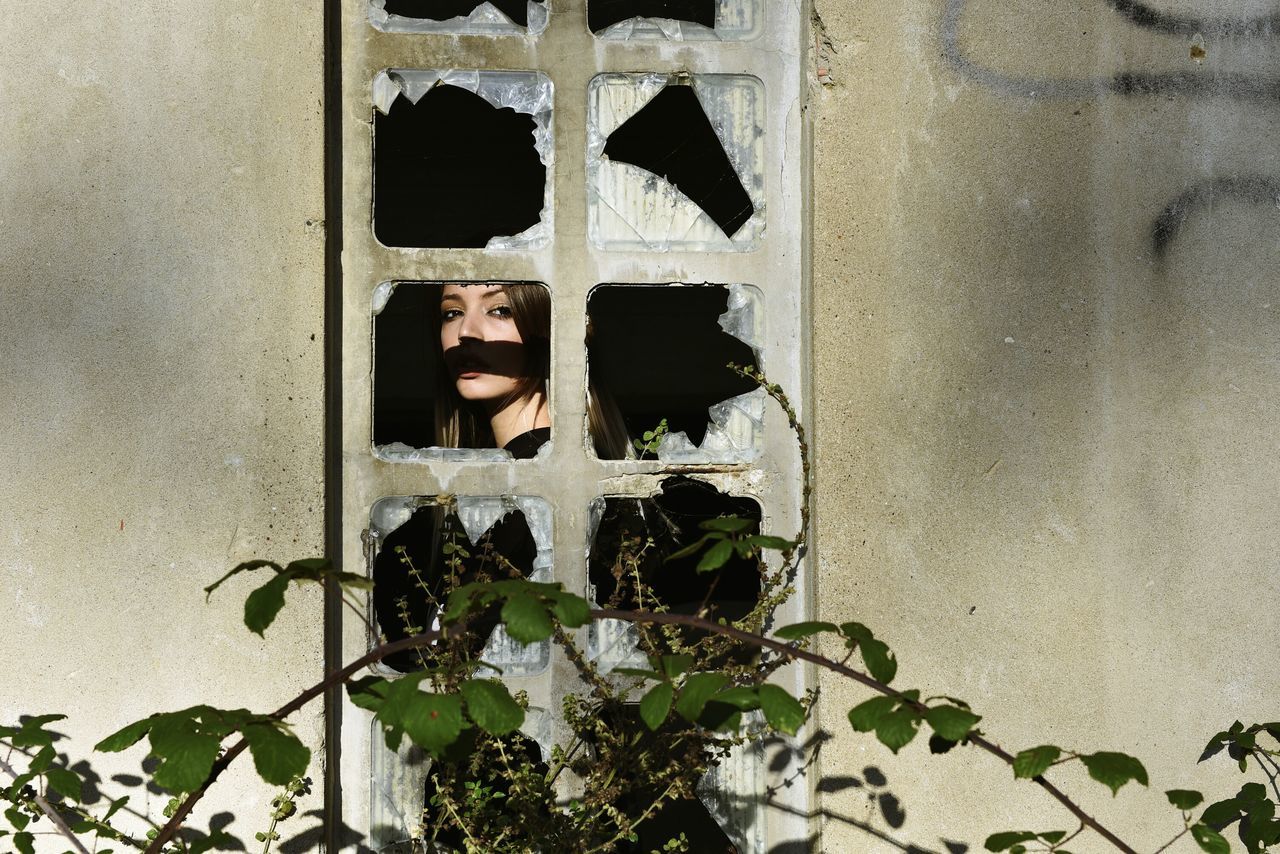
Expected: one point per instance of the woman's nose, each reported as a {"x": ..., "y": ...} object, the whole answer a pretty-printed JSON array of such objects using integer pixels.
[{"x": 471, "y": 327}]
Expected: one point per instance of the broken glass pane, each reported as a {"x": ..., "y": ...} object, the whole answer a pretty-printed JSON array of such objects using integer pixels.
[
  {"x": 676, "y": 20},
  {"x": 675, "y": 163},
  {"x": 659, "y": 354},
  {"x": 414, "y": 541},
  {"x": 412, "y": 385},
  {"x": 464, "y": 17},
  {"x": 482, "y": 184},
  {"x": 724, "y": 816},
  {"x": 401, "y": 784},
  {"x": 671, "y": 519}
]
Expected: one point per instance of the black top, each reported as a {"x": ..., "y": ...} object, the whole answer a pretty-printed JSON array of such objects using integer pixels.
[{"x": 526, "y": 445}]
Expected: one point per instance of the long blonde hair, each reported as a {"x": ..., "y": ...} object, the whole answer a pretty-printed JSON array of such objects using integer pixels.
[{"x": 461, "y": 424}]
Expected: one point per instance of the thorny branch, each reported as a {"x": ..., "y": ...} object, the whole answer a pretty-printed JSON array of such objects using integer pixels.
[{"x": 794, "y": 652}]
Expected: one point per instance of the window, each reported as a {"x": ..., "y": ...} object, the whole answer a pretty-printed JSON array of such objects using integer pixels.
[{"x": 656, "y": 198}]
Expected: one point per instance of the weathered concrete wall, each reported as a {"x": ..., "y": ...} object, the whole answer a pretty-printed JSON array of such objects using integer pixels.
[
  {"x": 1046, "y": 449},
  {"x": 162, "y": 278}
]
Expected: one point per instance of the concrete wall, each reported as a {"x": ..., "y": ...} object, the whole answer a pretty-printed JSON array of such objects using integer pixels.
[
  {"x": 1046, "y": 454},
  {"x": 161, "y": 267}
]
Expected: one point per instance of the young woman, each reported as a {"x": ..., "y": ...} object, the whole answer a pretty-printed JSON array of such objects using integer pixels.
[{"x": 495, "y": 358}]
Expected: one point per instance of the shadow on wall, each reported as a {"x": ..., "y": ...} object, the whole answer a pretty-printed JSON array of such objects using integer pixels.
[{"x": 868, "y": 794}]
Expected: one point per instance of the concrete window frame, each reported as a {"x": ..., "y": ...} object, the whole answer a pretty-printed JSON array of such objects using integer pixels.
[{"x": 570, "y": 478}]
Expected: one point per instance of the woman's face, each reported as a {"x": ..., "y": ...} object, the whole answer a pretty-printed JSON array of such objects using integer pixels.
[{"x": 483, "y": 350}]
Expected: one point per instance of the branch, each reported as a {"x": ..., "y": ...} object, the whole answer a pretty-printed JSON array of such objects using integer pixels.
[
  {"x": 335, "y": 678},
  {"x": 791, "y": 651},
  {"x": 47, "y": 809}
]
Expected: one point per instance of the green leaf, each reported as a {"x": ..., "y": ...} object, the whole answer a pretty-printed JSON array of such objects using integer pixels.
[
  {"x": 898, "y": 728},
  {"x": 1221, "y": 812},
  {"x": 696, "y": 691},
  {"x": 742, "y": 697},
  {"x": 950, "y": 722},
  {"x": 727, "y": 524},
  {"x": 693, "y": 548},
  {"x": 1008, "y": 839},
  {"x": 1113, "y": 770},
  {"x": 279, "y": 756},
  {"x": 64, "y": 782},
  {"x": 434, "y": 721},
  {"x": 466, "y": 598},
  {"x": 1034, "y": 761},
  {"x": 1053, "y": 837},
  {"x": 880, "y": 662},
  {"x": 717, "y": 556},
  {"x": 25, "y": 842},
  {"x": 637, "y": 672},
  {"x": 17, "y": 818},
  {"x": 856, "y": 633},
  {"x": 126, "y": 736},
  {"x": 866, "y": 716},
  {"x": 764, "y": 541},
  {"x": 799, "y": 631},
  {"x": 656, "y": 704},
  {"x": 1209, "y": 840},
  {"x": 115, "y": 807},
  {"x": 1184, "y": 799},
  {"x": 368, "y": 692},
  {"x": 674, "y": 665},
  {"x": 527, "y": 619},
  {"x": 783, "y": 712},
  {"x": 572, "y": 611},
  {"x": 263, "y": 604},
  {"x": 186, "y": 755},
  {"x": 491, "y": 706}
]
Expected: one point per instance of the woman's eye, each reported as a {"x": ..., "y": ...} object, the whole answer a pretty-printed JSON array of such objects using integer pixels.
[
  {"x": 501, "y": 311},
  {"x": 450, "y": 314}
]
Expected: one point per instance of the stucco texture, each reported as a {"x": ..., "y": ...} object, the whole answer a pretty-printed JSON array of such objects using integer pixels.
[
  {"x": 161, "y": 268},
  {"x": 1046, "y": 455}
]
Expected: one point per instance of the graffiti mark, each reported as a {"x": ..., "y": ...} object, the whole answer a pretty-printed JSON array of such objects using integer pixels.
[
  {"x": 1252, "y": 189},
  {"x": 1188, "y": 25},
  {"x": 1124, "y": 83}
]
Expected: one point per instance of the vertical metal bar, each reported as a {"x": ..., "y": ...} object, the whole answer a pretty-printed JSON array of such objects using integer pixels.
[{"x": 332, "y": 94}]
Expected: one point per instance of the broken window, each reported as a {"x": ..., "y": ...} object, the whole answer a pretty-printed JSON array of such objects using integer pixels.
[
  {"x": 460, "y": 159},
  {"x": 479, "y": 17},
  {"x": 404, "y": 782},
  {"x": 623, "y": 573},
  {"x": 675, "y": 162},
  {"x": 424, "y": 548},
  {"x": 659, "y": 354},
  {"x": 722, "y": 816},
  {"x": 418, "y": 413},
  {"x": 677, "y": 20}
]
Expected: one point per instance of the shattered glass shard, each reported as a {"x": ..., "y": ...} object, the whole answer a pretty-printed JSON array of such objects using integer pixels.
[
  {"x": 443, "y": 10},
  {"x": 480, "y": 179},
  {"x": 602, "y": 14},
  {"x": 672, "y": 137}
]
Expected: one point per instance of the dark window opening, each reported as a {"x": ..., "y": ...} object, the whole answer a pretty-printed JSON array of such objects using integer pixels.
[
  {"x": 411, "y": 379},
  {"x": 479, "y": 760},
  {"x": 671, "y": 519},
  {"x": 443, "y": 10},
  {"x": 412, "y": 576},
  {"x": 659, "y": 353},
  {"x": 672, "y": 137},
  {"x": 602, "y": 14},
  {"x": 689, "y": 816},
  {"x": 453, "y": 170}
]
